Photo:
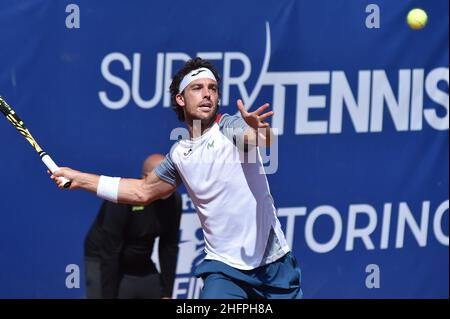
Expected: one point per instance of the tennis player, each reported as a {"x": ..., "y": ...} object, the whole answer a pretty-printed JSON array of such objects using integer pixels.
[{"x": 247, "y": 255}]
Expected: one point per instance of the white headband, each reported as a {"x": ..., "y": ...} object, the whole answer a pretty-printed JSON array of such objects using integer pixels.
[{"x": 200, "y": 73}]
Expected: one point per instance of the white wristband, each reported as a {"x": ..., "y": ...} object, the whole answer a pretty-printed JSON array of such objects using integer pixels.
[{"x": 108, "y": 188}]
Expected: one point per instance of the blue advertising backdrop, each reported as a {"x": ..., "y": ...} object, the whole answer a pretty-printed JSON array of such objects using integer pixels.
[{"x": 361, "y": 108}]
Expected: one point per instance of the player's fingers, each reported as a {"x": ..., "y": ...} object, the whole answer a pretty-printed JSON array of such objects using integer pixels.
[
  {"x": 59, "y": 172},
  {"x": 241, "y": 106},
  {"x": 56, "y": 179},
  {"x": 265, "y": 116},
  {"x": 261, "y": 108}
]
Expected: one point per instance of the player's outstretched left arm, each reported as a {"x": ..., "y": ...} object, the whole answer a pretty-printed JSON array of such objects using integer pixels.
[
  {"x": 130, "y": 191},
  {"x": 260, "y": 132}
]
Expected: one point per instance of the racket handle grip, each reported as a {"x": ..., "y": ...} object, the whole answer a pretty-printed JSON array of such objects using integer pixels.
[{"x": 52, "y": 167}]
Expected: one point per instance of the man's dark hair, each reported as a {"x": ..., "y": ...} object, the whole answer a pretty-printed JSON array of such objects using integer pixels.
[{"x": 190, "y": 65}]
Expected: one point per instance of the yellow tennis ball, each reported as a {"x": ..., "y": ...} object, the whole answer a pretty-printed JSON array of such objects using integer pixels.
[{"x": 417, "y": 18}]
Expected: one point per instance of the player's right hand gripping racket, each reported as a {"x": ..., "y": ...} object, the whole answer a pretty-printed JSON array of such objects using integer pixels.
[{"x": 20, "y": 126}]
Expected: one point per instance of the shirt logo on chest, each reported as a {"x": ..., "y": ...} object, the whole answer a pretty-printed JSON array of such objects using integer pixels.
[
  {"x": 187, "y": 153},
  {"x": 210, "y": 145}
]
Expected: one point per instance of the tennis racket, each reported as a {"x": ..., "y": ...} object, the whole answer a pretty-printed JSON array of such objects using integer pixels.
[{"x": 20, "y": 126}]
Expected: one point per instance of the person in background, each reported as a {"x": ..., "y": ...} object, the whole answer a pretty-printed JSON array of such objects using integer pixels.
[{"x": 119, "y": 245}]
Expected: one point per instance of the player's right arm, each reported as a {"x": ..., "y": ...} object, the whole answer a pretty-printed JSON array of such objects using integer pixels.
[{"x": 131, "y": 191}]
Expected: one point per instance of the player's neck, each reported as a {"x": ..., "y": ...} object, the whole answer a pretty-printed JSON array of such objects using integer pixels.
[{"x": 197, "y": 128}]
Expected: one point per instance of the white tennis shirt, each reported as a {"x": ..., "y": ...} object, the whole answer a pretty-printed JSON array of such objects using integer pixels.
[{"x": 231, "y": 197}]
